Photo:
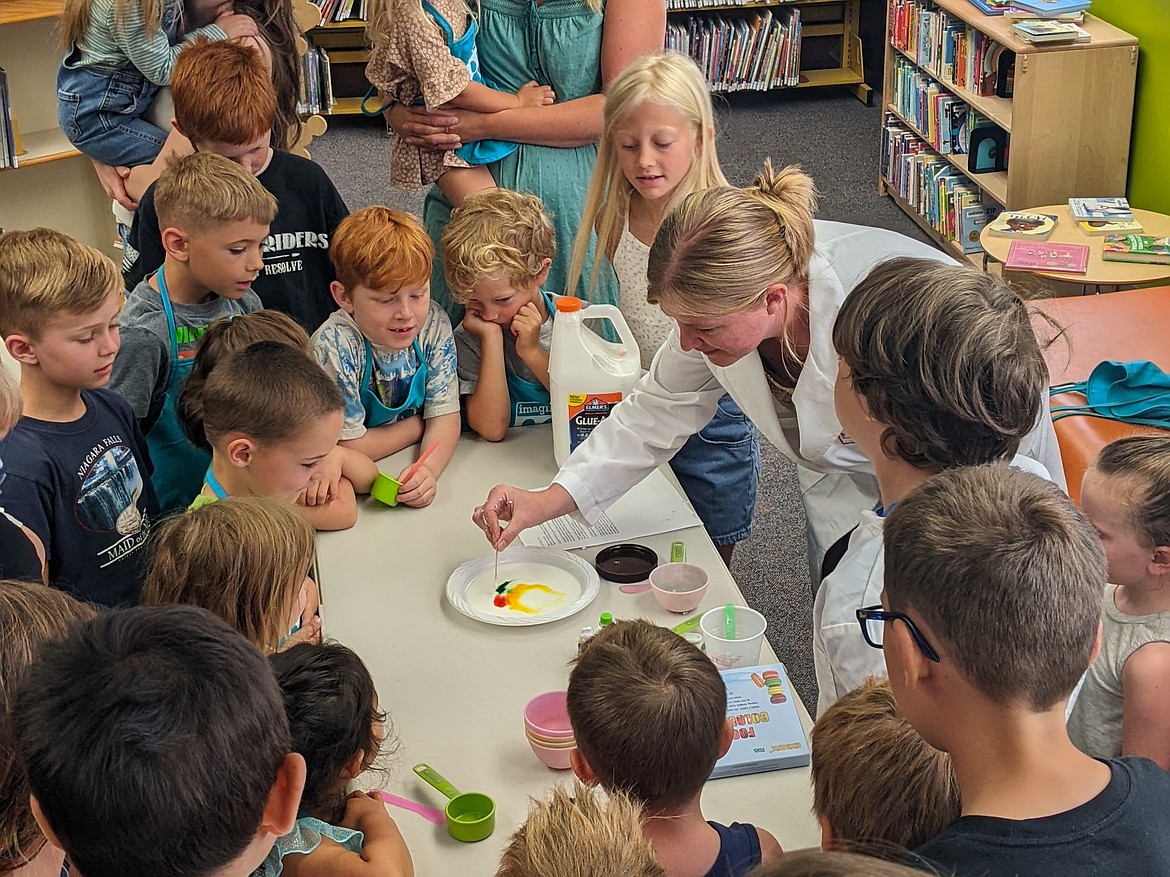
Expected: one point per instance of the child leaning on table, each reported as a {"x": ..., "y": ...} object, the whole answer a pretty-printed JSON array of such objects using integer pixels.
[
  {"x": 270, "y": 417},
  {"x": 155, "y": 743},
  {"x": 634, "y": 676},
  {"x": 257, "y": 580},
  {"x": 336, "y": 725},
  {"x": 1123, "y": 708},
  {"x": 389, "y": 347},
  {"x": 990, "y": 616},
  {"x": 878, "y": 787},
  {"x": 77, "y": 471},
  {"x": 497, "y": 249},
  {"x": 330, "y": 503},
  {"x": 215, "y": 218},
  {"x": 580, "y": 832},
  {"x": 425, "y": 53}
]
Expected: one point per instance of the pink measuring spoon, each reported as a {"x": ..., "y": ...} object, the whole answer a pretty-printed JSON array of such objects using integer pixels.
[{"x": 431, "y": 814}]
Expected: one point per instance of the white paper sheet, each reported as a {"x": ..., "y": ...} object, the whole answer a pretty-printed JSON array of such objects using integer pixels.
[{"x": 651, "y": 507}]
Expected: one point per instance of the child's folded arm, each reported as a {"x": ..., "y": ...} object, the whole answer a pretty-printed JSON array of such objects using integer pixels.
[
  {"x": 382, "y": 441},
  {"x": 488, "y": 405},
  {"x": 339, "y": 513}
]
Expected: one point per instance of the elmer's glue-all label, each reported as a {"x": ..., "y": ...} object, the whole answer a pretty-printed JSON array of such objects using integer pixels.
[{"x": 588, "y": 375}]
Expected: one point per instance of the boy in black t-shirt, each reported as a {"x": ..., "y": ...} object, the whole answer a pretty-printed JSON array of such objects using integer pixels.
[
  {"x": 78, "y": 475},
  {"x": 989, "y": 617},
  {"x": 224, "y": 103}
]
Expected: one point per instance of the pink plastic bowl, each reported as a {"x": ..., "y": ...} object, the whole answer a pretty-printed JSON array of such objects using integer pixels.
[
  {"x": 679, "y": 587},
  {"x": 547, "y": 716},
  {"x": 557, "y": 759}
]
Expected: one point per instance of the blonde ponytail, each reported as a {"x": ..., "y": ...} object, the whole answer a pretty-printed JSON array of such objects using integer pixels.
[{"x": 719, "y": 250}]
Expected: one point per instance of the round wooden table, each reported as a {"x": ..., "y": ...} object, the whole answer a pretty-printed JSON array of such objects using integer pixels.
[{"x": 1099, "y": 272}]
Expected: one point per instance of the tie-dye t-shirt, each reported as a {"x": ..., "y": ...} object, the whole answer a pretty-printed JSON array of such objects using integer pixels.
[{"x": 341, "y": 350}]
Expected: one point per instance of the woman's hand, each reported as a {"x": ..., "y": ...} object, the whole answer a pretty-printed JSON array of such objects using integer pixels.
[
  {"x": 434, "y": 132},
  {"x": 113, "y": 180},
  {"x": 520, "y": 509}
]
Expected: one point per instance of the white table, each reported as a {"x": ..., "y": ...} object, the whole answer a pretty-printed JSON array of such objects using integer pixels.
[{"x": 455, "y": 688}]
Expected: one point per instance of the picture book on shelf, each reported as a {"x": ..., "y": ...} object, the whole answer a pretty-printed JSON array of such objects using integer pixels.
[
  {"x": 1039, "y": 30},
  {"x": 1033, "y": 226},
  {"x": 766, "y": 729},
  {"x": 1097, "y": 227},
  {"x": 1099, "y": 208},
  {"x": 1040, "y": 256},
  {"x": 1136, "y": 248}
]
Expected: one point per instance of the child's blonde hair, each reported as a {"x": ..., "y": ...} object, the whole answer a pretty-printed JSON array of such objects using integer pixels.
[
  {"x": 579, "y": 832},
  {"x": 44, "y": 274},
  {"x": 1143, "y": 463},
  {"x": 718, "y": 250},
  {"x": 199, "y": 191},
  {"x": 380, "y": 248},
  {"x": 242, "y": 558},
  {"x": 666, "y": 78},
  {"x": 30, "y": 615},
  {"x": 269, "y": 391},
  {"x": 75, "y": 17},
  {"x": 876, "y": 781},
  {"x": 11, "y": 403},
  {"x": 499, "y": 232}
]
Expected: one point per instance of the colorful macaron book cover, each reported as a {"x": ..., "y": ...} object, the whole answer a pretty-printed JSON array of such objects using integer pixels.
[
  {"x": 1143, "y": 248},
  {"x": 766, "y": 730}
]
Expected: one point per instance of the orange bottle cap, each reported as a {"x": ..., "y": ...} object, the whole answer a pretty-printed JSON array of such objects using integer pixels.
[{"x": 567, "y": 304}]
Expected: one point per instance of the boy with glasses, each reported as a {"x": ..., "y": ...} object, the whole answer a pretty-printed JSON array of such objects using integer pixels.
[
  {"x": 990, "y": 614},
  {"x": 939, "y": 367}
]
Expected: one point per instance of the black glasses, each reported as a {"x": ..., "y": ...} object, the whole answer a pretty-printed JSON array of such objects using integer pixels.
[{"x": 872, "y": 620}]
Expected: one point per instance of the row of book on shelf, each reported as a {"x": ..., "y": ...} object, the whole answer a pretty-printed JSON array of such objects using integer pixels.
[
  {"x": 316, "y": 83},
  {"x": 341, "y": 10},
  {"x": 9, "y": 150},
  {"x": 946, "y": 122},
  {"x": 757, "y": 52},
  {"x": 951, "y": 50}
]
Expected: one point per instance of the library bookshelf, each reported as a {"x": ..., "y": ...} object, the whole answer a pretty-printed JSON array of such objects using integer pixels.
[
  {"x": 53, "y": 185},
  {"x": 719, "y": 36},
  {"x": 348, "y": 51},
  {"x": 1068, "y": 118}
]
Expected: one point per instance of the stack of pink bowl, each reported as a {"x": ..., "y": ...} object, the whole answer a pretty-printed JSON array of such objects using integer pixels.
[{"x": 549, "y": 732}]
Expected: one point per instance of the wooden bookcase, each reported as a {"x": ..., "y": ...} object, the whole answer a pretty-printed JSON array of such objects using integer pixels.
[
  {"x": 830, "y": 37},
  {"x": 1069, "y": 118},
  {"x": 54, "y": 185},
  {"x": 345, "y": 42}
]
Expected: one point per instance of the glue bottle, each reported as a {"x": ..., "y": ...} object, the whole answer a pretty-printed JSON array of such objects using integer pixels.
[{"x": 588, "y": 375}]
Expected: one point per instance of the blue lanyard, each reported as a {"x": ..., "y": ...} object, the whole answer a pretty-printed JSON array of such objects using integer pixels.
[{"x": 214, "y": 484}]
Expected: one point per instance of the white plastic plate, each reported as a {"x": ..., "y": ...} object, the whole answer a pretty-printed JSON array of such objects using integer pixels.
[{"x": 573, "y": 584}]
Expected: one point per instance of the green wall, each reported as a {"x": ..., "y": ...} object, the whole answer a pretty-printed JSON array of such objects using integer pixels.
[{"x": 1149, "y": 159}]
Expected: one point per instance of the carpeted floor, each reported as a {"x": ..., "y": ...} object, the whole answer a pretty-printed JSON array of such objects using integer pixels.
[{"x": 832, "y": 136}]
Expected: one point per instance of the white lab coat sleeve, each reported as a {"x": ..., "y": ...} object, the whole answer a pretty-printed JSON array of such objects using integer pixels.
[
  {"x": 1041, "y": 445},
  {"x": 675, "y": 399}
]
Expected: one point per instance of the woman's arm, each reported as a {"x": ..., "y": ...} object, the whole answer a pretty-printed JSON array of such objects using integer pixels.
[{"x": 631, "y": 28}]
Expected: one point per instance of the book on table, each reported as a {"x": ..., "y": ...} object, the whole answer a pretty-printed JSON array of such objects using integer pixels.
[
  {"x": 1032, "y": 226},
  {"x": 1044, "y": 256},
  {"x": 1099, "y": 208},
  {"x": 1098, "y": 227},
  {"x": 1143, "y": 248},
  {"x": 765, "y": 726}
]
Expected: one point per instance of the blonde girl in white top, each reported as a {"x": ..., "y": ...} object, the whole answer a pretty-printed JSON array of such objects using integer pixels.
[{"x": 657, "y": 146}]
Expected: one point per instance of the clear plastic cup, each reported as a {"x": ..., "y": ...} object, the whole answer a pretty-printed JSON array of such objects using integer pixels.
[{"x": 744, "y": 649}]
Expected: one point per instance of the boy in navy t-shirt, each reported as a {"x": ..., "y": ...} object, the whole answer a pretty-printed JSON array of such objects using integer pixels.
[{"x": 77, "y": 473}]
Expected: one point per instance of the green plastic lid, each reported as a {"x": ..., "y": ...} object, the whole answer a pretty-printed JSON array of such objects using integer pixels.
[{"x": 606, "y": 619}]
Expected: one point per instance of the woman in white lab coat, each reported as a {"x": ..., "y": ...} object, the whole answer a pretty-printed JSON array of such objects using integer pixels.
[{"x": 753, "y": 284}]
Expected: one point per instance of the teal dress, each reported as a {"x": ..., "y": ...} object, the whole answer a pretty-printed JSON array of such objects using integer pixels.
[{"x": 559, "y": 44}]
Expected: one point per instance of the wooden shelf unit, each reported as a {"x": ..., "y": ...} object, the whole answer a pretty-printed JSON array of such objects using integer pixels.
[
  {"x": 346, "y": 44},
  {"x": 54, "y": 185},
  {"x": 1069, "y": 118},
  {"x": 819, "y": 19}
]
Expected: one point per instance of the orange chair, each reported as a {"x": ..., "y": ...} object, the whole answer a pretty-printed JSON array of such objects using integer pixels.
[{"x": 1122, "y": 326}]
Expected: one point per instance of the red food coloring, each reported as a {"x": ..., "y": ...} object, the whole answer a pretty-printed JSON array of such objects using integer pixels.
[{"x": 500, "y": 600}]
